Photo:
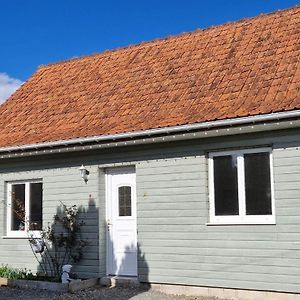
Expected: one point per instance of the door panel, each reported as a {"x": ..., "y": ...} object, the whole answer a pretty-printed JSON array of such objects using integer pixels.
[{"x": 121, "y": 222}]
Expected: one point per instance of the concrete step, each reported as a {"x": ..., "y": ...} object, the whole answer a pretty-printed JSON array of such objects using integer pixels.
[{"x": 122, "y": 281}]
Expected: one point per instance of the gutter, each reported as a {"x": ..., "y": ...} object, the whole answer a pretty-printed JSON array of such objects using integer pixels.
[{"x": 165, "y": 131}]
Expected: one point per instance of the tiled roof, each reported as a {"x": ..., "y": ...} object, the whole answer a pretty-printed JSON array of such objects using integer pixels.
[{"x": 243, "y": 68}]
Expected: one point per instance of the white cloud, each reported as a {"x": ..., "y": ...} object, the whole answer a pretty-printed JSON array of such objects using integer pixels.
[{"x": 7, "y": 86}]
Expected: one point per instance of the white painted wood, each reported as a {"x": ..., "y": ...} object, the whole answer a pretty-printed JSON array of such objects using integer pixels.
[
  {"x": 241, "y": 187},
  {"x": 122, "y": 230},
  {"x": 18, "y": 233},
  {"x": 242, "y": 218}
]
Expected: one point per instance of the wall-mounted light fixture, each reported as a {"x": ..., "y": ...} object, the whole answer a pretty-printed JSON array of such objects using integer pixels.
[{"x": 84, "y": 173}]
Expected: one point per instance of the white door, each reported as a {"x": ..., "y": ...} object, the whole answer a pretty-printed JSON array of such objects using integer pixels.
[{"x": 121, "y": 222}]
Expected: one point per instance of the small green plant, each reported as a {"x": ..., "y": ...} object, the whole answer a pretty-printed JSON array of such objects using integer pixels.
[{"x": 12, "y": 273}]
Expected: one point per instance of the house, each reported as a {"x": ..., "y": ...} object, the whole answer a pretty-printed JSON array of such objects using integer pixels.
[{"x": 192, "y": 144}]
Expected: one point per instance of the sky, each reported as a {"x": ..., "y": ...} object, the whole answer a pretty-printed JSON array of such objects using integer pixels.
[{"x": 36, "y": 32}]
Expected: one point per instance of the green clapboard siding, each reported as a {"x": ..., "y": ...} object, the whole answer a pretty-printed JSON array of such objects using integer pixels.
[
  {"x": 180, "y": 248},
  {"x": 54, "y": 185},
  {"x": 175, "y": 243}
]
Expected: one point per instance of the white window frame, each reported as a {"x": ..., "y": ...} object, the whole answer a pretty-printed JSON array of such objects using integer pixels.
[
  {"x": 17, "y": 233},
  {"x": 131, "y": 217},
  {"x": 242, "y": 218}
]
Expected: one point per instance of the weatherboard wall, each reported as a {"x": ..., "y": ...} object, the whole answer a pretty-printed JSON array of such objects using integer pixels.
[
  {"x": 180, "y": 248},
  {"x": 60, "y": 184},
  {"x": 175, "y": 243}
]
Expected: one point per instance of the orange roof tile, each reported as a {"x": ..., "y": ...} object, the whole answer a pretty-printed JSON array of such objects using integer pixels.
[{"x": 244, "y": 68}]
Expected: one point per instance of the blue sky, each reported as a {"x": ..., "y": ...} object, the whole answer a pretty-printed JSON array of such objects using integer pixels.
[{"x": 36, "y": 32}]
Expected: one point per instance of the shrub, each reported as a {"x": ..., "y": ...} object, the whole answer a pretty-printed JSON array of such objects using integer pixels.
[
  {"x": 57, "y": 244},
  {"x": 60, "y": 242},
  {"x": 12, "y": 273}
]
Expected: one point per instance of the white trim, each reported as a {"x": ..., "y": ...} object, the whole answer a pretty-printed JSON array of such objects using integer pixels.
[
  {"x": 236, "y": 220},
  {"x": 272, "y": 186},
  {"x": 27, "y": 204},
  {"x": 241, "y": 189},
  {"x": 242, "y": 218},
  {"x": 15, "y": 233},
  {"x": 7, "y": 237},
  {"x": 110, "y": 208},
  {"x": 107, "y": 216},
  {"x": 211, "y": 188},
  {"x": 132, "y": 216}
]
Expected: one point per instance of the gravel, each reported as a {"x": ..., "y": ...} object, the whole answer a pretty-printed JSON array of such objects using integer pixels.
[
  {"x": 116, "y": 293},
  {"x": 7, "y": 293}
]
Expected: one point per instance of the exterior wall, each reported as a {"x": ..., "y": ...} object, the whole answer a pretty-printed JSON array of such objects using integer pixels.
[
  {"x": 175, "y": 244},
  {"x": 59, "y": 184},
  {"x": 179, "y": 246}
]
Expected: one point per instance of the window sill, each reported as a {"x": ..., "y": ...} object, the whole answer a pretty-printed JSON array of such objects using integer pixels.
[
  {"x": 15, "y": 237},
  {"x": 238, "y": 223},
  {"x": 22, "y": 235}
]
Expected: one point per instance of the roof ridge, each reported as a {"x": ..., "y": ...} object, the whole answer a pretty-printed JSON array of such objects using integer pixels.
[{"x": 169, "y": 37}]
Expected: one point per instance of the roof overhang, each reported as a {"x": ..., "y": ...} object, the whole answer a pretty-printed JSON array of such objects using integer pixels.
[{"x": 251, "y": 124}]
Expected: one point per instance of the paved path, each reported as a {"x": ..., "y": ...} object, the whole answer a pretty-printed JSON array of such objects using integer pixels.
[{"x": 92, "y": 294}]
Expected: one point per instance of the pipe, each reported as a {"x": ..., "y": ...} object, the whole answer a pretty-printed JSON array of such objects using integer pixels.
[{"x": 159, "y": 131}]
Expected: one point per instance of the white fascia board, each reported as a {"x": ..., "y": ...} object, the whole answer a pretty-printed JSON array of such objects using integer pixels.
[{"x": 265, "y": 122}]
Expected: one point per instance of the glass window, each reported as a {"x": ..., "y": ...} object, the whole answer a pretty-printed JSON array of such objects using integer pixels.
[
  {"x": 18, "y": 207},
  {"x": 258, "y": 184},
  {"x": 124, "y": 201},
  {"x": 226, "y": 188},
  {"x": 35, "y": 203},
  {"x": 241, "y": 187},
  {"x": 25, "y": 206}
]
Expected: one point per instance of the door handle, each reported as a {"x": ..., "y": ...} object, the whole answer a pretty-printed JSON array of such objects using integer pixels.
[{"x": 108, "y": 224}]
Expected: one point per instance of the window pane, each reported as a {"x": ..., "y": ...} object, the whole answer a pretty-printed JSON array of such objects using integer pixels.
[
  {"x": 124, "y": 201},
  {"x": 36, "y": 208},
  {"x": 226, "y": 186},
  {"x": 258, "y": 184},
  {"x": 18, "y": 207}
]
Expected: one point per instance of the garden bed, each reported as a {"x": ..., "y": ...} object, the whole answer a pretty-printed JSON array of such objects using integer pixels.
[{"x": 73, "y": 286}]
